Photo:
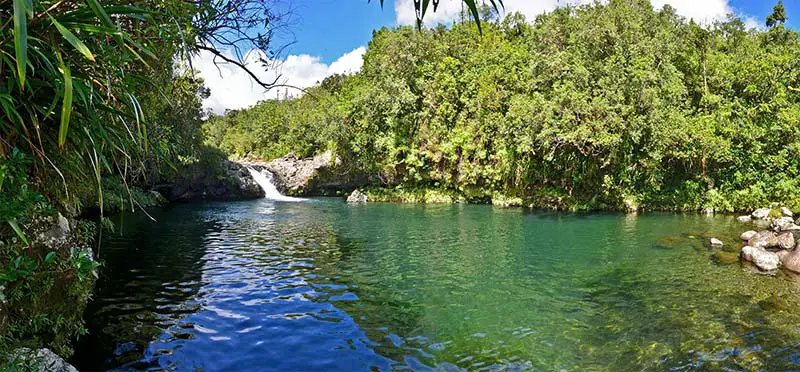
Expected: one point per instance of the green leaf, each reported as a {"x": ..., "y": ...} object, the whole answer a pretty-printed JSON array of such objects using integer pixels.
[
  {"x": 21, "y": 39},
  {"x": 473, "y": 8},
  {"x": 66, "y": 106},
  {"x": 72, "y": 39},
  {"x": 50, "y": 258},
  {"x": 100, "y": 12},
  {"x": 18, "y": 230}
]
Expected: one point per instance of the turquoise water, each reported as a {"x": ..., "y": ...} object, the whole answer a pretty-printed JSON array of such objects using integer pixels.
[{"x": 321, "y": 285}]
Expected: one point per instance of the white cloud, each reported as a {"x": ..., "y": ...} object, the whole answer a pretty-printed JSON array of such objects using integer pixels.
[
  {"x": 702, "y": 11},
  {"x": 232, "y": 88}
]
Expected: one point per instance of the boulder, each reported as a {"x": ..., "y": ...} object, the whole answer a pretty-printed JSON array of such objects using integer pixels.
[
  {"x": 357, "y": 197},
  {"x": 761, "y": 213},
  {"x": 46, "y": 360},
  {"x": 226, "y": 181},
  {"x": 785, "y": 240},
  {"x": 323, "y": 174},
  {"x": 782, "y": 224},
  {"x": 763, "y": 239},
  {"x": 708, "y": 211},
  {"x": 743, "y": 219},
  {"x": 791, "y": 260},
  {"x": 786, "y": 212},
  {"x": 747, "y": 235},
  {"x": 763, "y": 259},
  {"x": 716, "y": 242}
]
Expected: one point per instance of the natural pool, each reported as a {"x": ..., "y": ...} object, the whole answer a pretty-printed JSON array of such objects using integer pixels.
[{"x": 320, "y": 285}]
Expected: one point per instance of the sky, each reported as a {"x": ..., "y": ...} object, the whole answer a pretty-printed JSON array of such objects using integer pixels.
[{"x": 331, "y": 36}]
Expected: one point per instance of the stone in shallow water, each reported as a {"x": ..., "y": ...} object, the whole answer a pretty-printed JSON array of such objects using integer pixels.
[
  {"x": 761, "y": 213},
  {"x": 716, "y": 242},
  {"x": 725, "y": 257},
  {"x": 743, "y": 218},
  {"x": 747, "y": 235},
  {"x": 763, "y": 239},
  {"x": 791, "y": 260},
  {"x": 782, "y": 224},
  {"x": 785, "y": 240},
  {"x": 763, "y": 259},
  {"x": 357, "y": 197}
]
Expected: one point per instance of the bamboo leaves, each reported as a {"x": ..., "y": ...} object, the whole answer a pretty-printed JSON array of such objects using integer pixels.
[
  {"x": 21, "y": 39},
  {"x": 72, "y": 39},
  {"x": 66, "y": 106}
]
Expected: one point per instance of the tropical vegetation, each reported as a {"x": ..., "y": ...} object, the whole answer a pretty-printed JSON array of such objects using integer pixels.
[{"x": 603, "y": 106}]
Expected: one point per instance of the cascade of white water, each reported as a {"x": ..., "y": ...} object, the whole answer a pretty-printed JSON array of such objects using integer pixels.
[{"x": 264, "y": 179}]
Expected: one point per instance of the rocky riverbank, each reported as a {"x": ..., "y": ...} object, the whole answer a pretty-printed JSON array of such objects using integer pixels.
[{"x": 773, "y": 240}]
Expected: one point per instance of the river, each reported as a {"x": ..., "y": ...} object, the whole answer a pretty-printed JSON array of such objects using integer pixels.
[{"x": 322, "y": 285}]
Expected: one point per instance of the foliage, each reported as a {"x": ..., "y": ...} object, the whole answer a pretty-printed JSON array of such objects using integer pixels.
[{"x": 584, "y": 108}]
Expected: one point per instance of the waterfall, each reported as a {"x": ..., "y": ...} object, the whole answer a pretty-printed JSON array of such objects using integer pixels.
[{"x": 264, "y": 179}]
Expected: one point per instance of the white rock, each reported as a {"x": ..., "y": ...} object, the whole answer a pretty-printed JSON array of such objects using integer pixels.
[
  {"x": 716, "y": 242},
  {"x": 747, "y": 235},
  {"x": 786, "y": 212},
  {"x": 763, "y": 259},
  {"x": 761, "y": 213},
  {"x": 743, "y": 218},
  {"x": 357, "y": 197},
  {"x": 783, "y": 223}
]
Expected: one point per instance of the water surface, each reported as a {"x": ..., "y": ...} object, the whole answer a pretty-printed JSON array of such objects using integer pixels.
[{"x": 321, "y": 285}]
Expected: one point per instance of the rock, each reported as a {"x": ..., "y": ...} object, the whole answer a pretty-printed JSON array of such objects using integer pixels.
[
  {"x": 725, "y": 257},
  {"x": 357, "y": 197},
  {"x": 763, "y": 259},
  {"x": 46, "y": 360},
  {"x": 763, "y": 239},
  {"x": 786, "y": 212},
  {"x": 708, "y": 211},
  {"x": 785, "y": 240},
  {"x": 160, "y": 199},
  {"x": 322, "y": 174},
  {"x": 782, "y": 224},
  {"x": 747, "y": 235},
  {"x": 761, "y": 213},
  {"x": 743, "y": 219},
  {"x": 716, "y": 242},
  {"x": 791, "y": 260},
  {"x": 229, "y": 181}
]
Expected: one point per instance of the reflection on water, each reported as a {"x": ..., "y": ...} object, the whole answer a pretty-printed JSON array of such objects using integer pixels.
[{"x": 321, "y": 285}]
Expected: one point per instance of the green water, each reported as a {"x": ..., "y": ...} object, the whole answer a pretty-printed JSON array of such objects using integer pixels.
[{"x": 321, "y": 285}]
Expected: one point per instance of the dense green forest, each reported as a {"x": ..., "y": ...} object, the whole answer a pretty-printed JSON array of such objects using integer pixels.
[{"x": 592, "y": 107}]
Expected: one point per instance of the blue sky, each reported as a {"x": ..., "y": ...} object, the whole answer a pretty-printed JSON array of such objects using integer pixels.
[
  {"x": 331, "y": 28},
  {"x": 330, "y": 37}
]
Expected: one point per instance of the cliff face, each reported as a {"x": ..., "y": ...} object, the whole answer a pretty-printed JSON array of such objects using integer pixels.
[{"x": 323, "y": 174}]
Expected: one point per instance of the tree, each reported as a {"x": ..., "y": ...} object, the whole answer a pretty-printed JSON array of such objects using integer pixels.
[{"x": 778, "y": 15}]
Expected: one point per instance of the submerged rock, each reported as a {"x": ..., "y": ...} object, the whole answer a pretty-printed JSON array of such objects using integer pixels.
[
  {"x": 763, "y": 259},
  {"x": 44, "y": 359},
  {"x": 716, "y": 242},
  {"x": 726, "y": 257},
  {"x": 786, "y": 212},
  {"x": 357, "y": 197},
  {"x": 747, "y": 235},
  {"x": 761, "y": 213},
  {"x": 743, "y": 218}
]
